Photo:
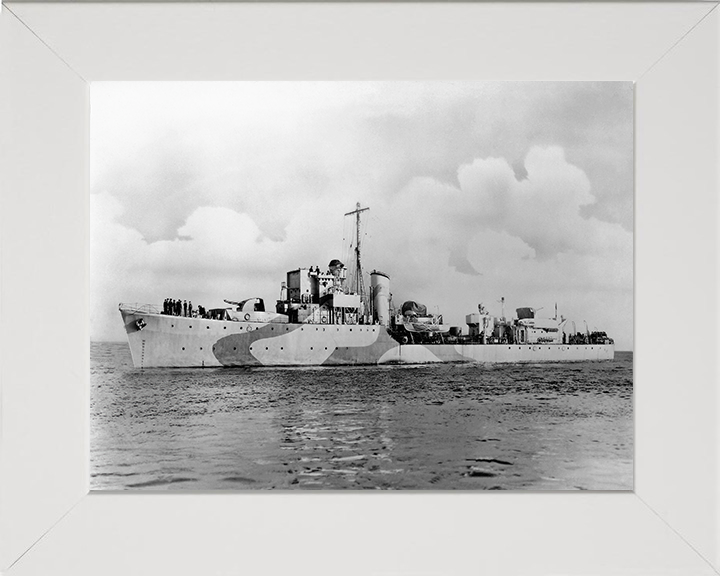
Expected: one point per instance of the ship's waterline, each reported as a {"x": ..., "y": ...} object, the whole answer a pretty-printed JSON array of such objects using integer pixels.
[{"x": 166, "y": 341}]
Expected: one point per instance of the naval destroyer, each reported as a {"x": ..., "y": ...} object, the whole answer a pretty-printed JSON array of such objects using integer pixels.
[{"x": 327, "y": 317}]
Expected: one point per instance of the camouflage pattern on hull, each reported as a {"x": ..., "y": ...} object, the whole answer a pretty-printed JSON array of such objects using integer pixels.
[
  {"x": 170, "y": 341},
  {"x": 305, "y": 345}
]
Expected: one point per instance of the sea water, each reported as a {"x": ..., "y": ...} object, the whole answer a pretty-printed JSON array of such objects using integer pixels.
[{"x": 432, "y": 427}]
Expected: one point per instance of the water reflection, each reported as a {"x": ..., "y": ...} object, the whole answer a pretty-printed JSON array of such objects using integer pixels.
[{"x": 439, "y": 427}]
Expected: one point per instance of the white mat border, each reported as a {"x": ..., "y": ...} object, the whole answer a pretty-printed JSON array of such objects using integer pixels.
[{"x": 48, "y": 54}]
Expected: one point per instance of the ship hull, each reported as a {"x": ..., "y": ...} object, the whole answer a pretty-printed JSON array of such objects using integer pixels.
[{"x": 157, "y": 340}]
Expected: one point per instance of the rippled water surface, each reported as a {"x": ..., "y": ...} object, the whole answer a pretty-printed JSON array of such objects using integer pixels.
[{"x": 442, "y": 427}]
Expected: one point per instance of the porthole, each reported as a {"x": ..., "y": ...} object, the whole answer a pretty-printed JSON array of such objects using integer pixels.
[
  {"x": 224, "y": 327},
  {"x": 311, "y": 347},
  {"x": 281, "y": 348},
  {"x": 266, "y": 347},
  {"x": 200, "y": 347},
  {"x": 191, "y": 326},
  {"x": 208, "y": 327},
  {"x": 183, "y": 347},
  {"x": 234, "y": 348},
  {"x": 172, "y": 325}
]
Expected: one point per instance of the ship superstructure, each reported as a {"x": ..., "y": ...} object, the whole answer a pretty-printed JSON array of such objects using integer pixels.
[{"x": 323, "y": 317}]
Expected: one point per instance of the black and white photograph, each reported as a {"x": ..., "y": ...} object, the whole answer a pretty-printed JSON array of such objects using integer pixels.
[{"x": 361, "y": 286}]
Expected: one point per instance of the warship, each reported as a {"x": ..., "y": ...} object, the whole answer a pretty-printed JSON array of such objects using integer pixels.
[{"x": 327, "y": 317}]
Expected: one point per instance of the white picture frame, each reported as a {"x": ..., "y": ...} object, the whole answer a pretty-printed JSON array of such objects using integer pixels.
[{"x": 49, "y": 523}]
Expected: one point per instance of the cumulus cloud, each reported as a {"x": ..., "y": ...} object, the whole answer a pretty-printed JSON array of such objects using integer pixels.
[{"x": 544, "y": 209}]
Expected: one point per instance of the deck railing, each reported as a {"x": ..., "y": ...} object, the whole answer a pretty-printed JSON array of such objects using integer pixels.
[{"x": 139, "y": 308}]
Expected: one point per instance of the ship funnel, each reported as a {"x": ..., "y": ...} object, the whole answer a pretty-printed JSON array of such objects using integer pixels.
[{"x": 380, "y": 286}]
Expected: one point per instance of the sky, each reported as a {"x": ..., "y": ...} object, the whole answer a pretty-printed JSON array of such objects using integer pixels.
[{"x": 477, "y": 190}]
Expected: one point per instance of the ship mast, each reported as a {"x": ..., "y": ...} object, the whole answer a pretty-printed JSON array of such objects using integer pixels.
[{"x": 358, "y": 268}]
